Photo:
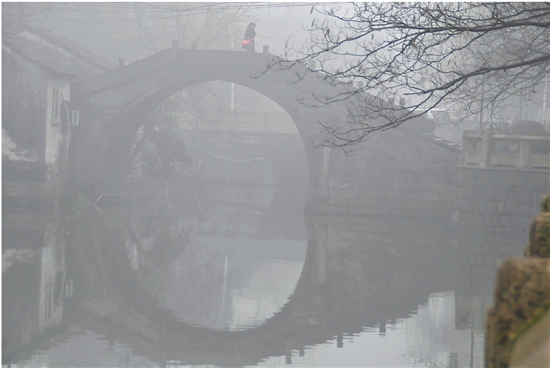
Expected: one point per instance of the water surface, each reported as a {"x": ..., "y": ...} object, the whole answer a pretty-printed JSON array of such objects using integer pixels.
[{"x": 134, "y": 286}]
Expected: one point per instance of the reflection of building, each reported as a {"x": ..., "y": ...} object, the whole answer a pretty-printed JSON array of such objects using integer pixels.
[
  {"x": 51, "y": 290},
  {"x": 34, "y": 283},
  {"x": 34, "y": 286},
  {"x": 20, "y": 298},
  {"x": 434, "y": 338}
]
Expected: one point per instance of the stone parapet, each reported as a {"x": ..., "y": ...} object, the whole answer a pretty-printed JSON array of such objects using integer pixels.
[
  {"x": 517, "y": 324},
  {"x": 522, "y": 297},
  {"x": 539, "y": 234},
  {"x": 532, "y": 349}
]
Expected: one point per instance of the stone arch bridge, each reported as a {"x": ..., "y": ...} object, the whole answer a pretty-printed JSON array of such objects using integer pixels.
[{"x": 113, "y": 105}]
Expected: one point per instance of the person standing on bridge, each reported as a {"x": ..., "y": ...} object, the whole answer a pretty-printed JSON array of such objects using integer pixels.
[{"x": 249, "y": 34}]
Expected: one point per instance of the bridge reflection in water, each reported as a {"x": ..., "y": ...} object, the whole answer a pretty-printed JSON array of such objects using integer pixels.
[{"x": 127, "y": 288}]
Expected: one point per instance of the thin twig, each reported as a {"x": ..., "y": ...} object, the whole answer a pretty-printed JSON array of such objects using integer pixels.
[
  {"x": 240, "y": 161},
  {"x": 107, "y": 194}
]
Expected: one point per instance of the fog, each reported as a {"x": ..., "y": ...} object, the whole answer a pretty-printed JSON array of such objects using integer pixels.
[{"x": 169, "y": 199}]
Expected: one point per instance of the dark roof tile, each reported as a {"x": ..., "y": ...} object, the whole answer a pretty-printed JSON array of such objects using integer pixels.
[
  {"x": 73, "y": 48},
  {"x": 38, "y": 53},
  {"x": 50, "y": 51}
]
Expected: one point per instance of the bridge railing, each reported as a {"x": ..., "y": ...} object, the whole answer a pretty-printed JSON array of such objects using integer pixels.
[{"x": 493, "y": 149}]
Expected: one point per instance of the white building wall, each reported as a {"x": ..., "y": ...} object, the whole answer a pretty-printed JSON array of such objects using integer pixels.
[{"x": 53, "y": 125}]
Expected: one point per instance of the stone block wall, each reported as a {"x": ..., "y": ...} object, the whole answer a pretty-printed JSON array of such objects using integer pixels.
[
  {"x": 498, "y": 203},
  {"x": 393, "y": 173}
]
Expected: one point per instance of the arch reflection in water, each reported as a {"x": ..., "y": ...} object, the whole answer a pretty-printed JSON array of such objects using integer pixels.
[
  {"x": 226, "y": 283},
  {"x": 359, "y": 277},
  {"x": 232, "y": 254}
]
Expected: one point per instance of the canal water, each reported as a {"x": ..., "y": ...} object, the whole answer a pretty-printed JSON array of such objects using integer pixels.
[{"x": 150, "y": 286}]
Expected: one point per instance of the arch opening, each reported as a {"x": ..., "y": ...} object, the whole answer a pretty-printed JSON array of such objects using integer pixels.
[
  {"x": 237, "y": 204},
  {"x": 139, "y": 100}
]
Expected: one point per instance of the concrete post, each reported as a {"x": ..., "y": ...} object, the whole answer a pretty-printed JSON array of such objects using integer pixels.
[
  {"x": 175, "y": 43},
  {"x": 266, "y": 49},
  {"x": 120, "y": 62},
  {"x": 485, "y": 150}
]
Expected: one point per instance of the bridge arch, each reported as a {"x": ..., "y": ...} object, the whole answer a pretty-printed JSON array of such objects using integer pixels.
[{"x": 123, "y": 97}]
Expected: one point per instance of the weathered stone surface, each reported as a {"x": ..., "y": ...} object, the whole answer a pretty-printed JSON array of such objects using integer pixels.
[
  {"x": 501, "y": 193},
  {"x": 545, "y": 203},
  {"x": 539, "y": 233},
  {"x": 539, "y": 237},
  {"x": 533, "y": 347},
  {"x": 522, "y": 296},
  {"x": 401, "y": 175}
]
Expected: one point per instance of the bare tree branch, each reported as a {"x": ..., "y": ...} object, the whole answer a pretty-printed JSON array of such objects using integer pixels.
[{"x": 424, "y": 55}]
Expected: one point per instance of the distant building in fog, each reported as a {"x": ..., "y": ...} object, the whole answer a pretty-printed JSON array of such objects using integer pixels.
[{"x": 38, "y": 68}]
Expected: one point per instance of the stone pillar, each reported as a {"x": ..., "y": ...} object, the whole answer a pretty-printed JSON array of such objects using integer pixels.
[
  {"x": 522, "y": 297},
  {"x": 539, "y": 233},
  {"x": 485, "y": 150},
  {"x": 517, "y": 325}
]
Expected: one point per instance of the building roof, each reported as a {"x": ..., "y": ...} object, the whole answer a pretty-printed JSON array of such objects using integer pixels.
[
  {"x": 78, "y": 51},
  {"x": 51, "y": 52},
  {"x": 38, "y": 53}
]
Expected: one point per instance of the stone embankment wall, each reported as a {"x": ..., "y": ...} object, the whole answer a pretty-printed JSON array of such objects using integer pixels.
[
  {"x": 498, "y": 203},
  {"x": 517, "y": 325},
  {"x": 393, "y": 173}
]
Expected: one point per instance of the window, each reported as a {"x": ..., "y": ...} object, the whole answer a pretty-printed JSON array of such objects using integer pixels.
[
  {"x": 73, "y": 117},
  {"x": 55, "y": 105}
]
